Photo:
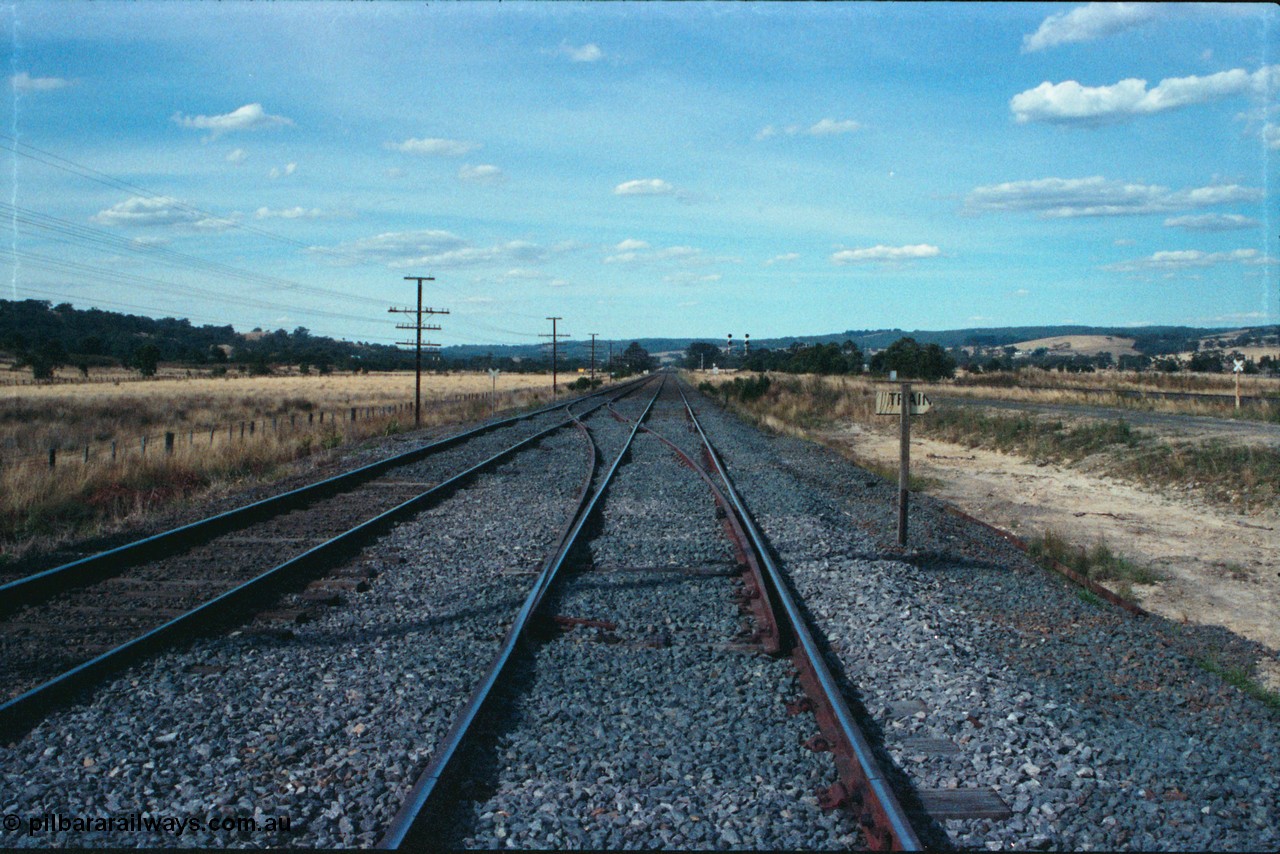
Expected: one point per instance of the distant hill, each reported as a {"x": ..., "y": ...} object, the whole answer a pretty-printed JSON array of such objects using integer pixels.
[{"x": 104, "y": 337}]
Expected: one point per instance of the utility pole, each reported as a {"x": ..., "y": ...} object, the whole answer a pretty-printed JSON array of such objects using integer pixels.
[
  {"x": 593, "y": 357},
  {"x": 418, "y": 343},
  {"x": 555, "y": 338}
]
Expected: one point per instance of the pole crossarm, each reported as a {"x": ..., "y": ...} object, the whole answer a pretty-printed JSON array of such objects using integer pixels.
[{"x": 417, "y": 343}]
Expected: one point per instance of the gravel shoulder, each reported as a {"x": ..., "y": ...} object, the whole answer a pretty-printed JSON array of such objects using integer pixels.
[
  {"x": 1101, "y": 731},
  {"x": 1220, "y": 567}
]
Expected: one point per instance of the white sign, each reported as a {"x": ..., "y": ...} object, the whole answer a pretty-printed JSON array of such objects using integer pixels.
[
  {"x": 890, "y": 403},
  {"x": 1239, "y": 366}
]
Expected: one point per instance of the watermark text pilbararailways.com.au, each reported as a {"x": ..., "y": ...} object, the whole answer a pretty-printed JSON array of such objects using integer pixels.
[{"x": 138, "y": 822}]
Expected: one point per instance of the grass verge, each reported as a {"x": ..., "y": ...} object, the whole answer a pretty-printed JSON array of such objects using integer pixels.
[
  {"x": 1240, "y": 678},
  {"x": 1098, "y": 563}
]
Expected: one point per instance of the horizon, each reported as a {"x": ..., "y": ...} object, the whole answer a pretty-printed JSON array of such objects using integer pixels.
[{"x": 644, "y": 171}]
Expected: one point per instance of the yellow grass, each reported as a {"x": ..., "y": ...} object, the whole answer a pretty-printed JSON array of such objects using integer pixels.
[{"x": 212, "y": 451}]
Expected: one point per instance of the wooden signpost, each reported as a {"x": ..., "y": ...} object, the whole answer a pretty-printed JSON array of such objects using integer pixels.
[
  {"x": 891, "y": 403},
  {"x": 1238, "y": 370}
]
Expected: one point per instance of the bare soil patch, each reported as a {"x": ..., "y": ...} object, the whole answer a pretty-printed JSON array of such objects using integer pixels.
[
  {"x": 1085, "y": 345},
  {"x": 1220, "y": 568}
]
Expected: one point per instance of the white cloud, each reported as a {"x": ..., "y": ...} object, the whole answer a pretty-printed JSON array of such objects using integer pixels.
[
  {"x": 632, "y": 251},
  {"x": 1212, "y": 222},
  {"x": 778, "y": 259},
  {"x": 686, "y": 279},
  {"x": 290, "y": 213},
  {"x": 1021, "y": 292},
  {"x": 1070, "y": 103},
  {"x": 434, "y": 147},
  {"x": 1096, "y": 196},
  {"x": 481, "y": 174},
  {"x": 237, "y": 156},
  {"x": 586, "y": 53},
  {"x": 1271, "y": 136},
  {"x": 830, "y": 127},
  {"x": 1184, "y": 259},
  {"x": 141, "y": 211},
  {"x": 396, "y": 172},
  {"x": 825, "y": 127},
  {"x": 885, "y": 253},
  {"x": 281, "y": 171},
  {"x": 248, "y": 117},
  {"x": 644, "y": 187},
  {"x": 24, "y": 82},
  {"x": 437, "y": 249},
  {"x": 1086, "y": 23}
]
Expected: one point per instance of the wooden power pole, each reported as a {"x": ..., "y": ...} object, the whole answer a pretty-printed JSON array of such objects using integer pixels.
[
  {"x": 418, "y": 343},
  {"x": 555, "y": 338}
]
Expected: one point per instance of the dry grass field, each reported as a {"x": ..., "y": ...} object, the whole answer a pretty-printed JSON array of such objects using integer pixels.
[
  {"x": 110, "y": 439},
  {"x": 1083, "y": 345}
]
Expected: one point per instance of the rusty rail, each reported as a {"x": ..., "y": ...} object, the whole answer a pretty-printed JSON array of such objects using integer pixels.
[{"x": 862, "y": 788}]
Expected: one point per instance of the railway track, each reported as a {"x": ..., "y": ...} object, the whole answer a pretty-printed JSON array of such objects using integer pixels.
[
  {"x": 477, "y": 598},
  {"x": 664, "y": 618},
  {"x": 65, "y": 628}
]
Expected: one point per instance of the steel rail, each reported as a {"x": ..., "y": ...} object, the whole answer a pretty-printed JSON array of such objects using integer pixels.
[
  {"x": 41, "y": 585},
  {"x": 408, "y": 823},
  {"x": 767, "y": 633},
  {"x": 864, "y": 786},
  {"x": 20, "y": 713}
]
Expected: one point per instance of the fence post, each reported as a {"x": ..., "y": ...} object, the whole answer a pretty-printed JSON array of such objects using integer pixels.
[
  {"x": 353, "y": 413},
  {"x": 53, "y": 457},
  {"x": 253, "y": 425},
  {"x": 241, "y": 429},
  {"x": 292, "y": 421},
  {"x": 86, "y": 454},
  {"x": 144, "y": 446},
  {"x": 168, "y": 442},
  {"x": 113, "y": 450},
  {"x": 211, "y": 429}
]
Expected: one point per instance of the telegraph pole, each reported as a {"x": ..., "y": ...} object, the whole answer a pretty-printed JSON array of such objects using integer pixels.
[
  {"x": 418, "y": 343},
  {"x": 555, "y": 338},
  {"x": 593, "y": 357}
]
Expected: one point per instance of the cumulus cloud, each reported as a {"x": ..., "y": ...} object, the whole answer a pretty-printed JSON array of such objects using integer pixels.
[
  {"x": 481, "y": 174},
  {"x": 24, "y": 82},
  {"x": 248, "y": 117},
  {"x": 644, "y": 187},
  {"x": 1096, "y": 196},
  {"x": 1086, "y": 23},
  {"x": 1212, "y": 222},
  {"x": 586, "y": 53},
  {"x": 143, "y": 212},
  {"x": 633, "y": 251},
  {"x": 281, "y": 171},
  {"x": 825, "y": 127},
  {"x": 237, "y": 156},
  {"x": 1184, "y": 259},
  {"x": 779, "y": 259},
  {"x": 434, "y": 147},
  {"x": 885, "y": 253},
  {"x": 1070, "y": 103}
]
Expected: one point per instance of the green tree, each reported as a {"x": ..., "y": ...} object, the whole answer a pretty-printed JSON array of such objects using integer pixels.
[
  {"x": 912, "y": 361},
  {"x": 702, "y": 355},
  {"x": 636, "y": 359},
  {"x": 147, "y": 359}
]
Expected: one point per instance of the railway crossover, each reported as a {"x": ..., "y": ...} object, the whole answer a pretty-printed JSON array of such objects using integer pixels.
[{"x": 536, "y": 559}]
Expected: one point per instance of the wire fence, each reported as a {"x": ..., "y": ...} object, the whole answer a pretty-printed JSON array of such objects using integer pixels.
[{"x": 366, "y": 419}]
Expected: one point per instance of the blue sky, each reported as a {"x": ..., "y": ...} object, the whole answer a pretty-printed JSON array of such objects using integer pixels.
[{"x": 684, "y": 169}]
